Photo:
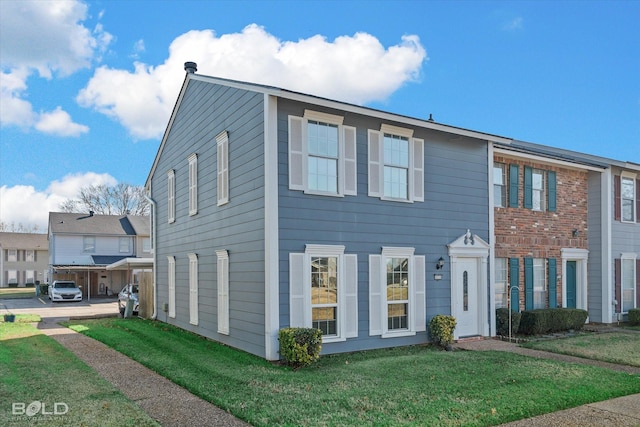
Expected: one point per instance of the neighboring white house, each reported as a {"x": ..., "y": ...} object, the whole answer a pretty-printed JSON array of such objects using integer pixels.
[{"x": 82, "y": 246}]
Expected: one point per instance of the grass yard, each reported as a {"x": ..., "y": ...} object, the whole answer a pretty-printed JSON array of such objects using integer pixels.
[
  {"x": 38, "y": 377},
  {"x": 13, "y": 293},
  {"x": 404, "y": 386},
  {"x": 615, "y": 347}
]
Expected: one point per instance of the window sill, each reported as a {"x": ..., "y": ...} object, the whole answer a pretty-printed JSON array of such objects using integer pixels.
[
  {"x": 391, "y": 199},
  {"x": 398, "y": 334},
  {"x": 329, "y": 340},
  {"x": 323, "y": 193}
]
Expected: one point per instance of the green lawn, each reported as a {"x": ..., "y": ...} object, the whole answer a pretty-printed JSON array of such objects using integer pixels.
[
  {"x": 615, "y": 347},
  {"x": 14, "y": 293},
  {"x": 35, "y": 370},
  {"x": 404, "y": 386}
]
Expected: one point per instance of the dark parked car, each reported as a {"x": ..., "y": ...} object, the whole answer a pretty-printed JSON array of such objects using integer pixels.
[{"x": 129, "y": 292}]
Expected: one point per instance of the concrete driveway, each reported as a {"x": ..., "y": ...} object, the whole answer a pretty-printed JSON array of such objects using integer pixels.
[{"x": 41, "y": 305}]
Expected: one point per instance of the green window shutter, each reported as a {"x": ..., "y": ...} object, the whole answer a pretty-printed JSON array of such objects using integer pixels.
[
  {"x": 513, "y": 186},
  {"x": 551, "y": 178},
  {"x": 553, "y": 301},
  {"x": 528, "y": 188},
  {"x": 528, "y": 283},
  {"x": 514, "y": 272}
]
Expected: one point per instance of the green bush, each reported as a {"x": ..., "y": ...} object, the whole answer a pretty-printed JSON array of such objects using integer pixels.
[
  {"x": 634, "y": 316},
  {"x": 300, "y": 346},
  {"x": 441, "y": 329},
  {"x": 542, "y": 321},
  {"x": 502, "y": 322}
]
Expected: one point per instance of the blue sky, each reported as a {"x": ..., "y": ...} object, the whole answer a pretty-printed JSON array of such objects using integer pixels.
[{"x": 87, "y": 87}]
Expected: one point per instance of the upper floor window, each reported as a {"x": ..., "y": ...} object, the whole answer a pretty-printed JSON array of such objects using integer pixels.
[
  {"x": 171, "y": 196},
  {"x": 538, "y": 190},
  {"x": 193, "y": 184},
  {"x": 125, "y": 245},
  {"x": 322, "y": 155},
  {"x": 30, "y": 255},
  {"x": 499, "y": 185},
  {"x": 89, "y": 244},
  {"x": 146, "y": 244},
  {"x": 12, "y": 255},
  {"x": 627, "y": 198},
  {"x": 396, "y": 164}
]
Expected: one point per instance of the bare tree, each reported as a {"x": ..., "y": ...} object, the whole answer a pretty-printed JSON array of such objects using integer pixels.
[
  {"x": 120, "y": 199},
  {"x": 19, "y": 228}
]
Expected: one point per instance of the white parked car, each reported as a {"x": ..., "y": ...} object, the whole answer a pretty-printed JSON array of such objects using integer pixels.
[
  {"x": 64, "y": 290},
  {"x": 129, "y": 292}
]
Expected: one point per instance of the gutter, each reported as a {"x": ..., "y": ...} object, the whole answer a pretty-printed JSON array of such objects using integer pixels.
[{"x": 154, "y": 237}]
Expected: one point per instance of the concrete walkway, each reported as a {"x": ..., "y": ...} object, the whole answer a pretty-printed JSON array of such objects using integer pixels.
[{"x": 620, "y": 412}]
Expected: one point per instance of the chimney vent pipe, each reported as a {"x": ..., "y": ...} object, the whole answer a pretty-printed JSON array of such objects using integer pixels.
[{"x": 190, "y": 67}]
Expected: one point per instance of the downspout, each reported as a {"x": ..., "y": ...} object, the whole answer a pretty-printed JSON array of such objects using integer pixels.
[{"x": 154, "y": 315}]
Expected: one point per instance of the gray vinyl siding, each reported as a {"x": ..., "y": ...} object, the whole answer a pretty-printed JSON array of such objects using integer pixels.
[
  {"x": 595, "y": 291},
  {"x": 456, "y": 199},
  {"x": 625, "y": 236},
  {"x": 238, "y": 226}
]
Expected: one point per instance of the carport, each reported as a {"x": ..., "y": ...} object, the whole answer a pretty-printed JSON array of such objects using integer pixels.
[{"x": 145, "y": 267}]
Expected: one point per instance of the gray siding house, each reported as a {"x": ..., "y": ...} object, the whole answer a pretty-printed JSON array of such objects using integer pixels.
[{"x": 274, "y": 208}]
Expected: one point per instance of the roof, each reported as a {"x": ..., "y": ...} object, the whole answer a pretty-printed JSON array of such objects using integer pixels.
[
  {"x": 110, "y": 225},
  {"x": 131, "y": 263},
  {"x": 24, "y": 241},
  {"x": 312, "y": 99}
]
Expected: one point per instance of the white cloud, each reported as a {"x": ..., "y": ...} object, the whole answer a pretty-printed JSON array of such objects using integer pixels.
[
  {"x": 23, "y": 204},
  {"x": 514, "y": 24},
  {"x": 356, "y": 69},
  {"x": 46, "y": 37},
  {"x": 58, "y": 122}
]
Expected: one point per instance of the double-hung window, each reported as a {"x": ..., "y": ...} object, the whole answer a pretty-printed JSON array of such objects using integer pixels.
[
  {"x": 89, "y": 244},
  {"x": 395, "y": 164},
  {"x": 501, "y": 283},
  {"x": 396, "y": 293},
  {"x": 124, "y": 245},
  {"x": 324, "y": 291},
  {"x": 628, "y": 283},
  {"x": 30, "y": 255},
  {"x": 322, "y": 155},
  {"x": 537, "y": 188},
  {"x": 12, "y": 255},
  {"x": 627, "y": 198},
  {"x": 539, "y": 283},
  {"x": 499, "y": 185},
  {"x": 193, "y": 184}
]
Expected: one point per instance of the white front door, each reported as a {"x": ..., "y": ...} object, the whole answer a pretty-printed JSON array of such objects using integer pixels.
[{"x": 466, "y": 301}]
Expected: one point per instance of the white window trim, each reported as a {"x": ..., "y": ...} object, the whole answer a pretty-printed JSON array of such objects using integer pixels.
[
  {"x": 300, "y": 290},
  {"x": 632, "y": 177},
  {"x": 415, "y": 178},
  {"x": 223, "y": 291},
  {"x": 171, "y": 279},
  {"x": 347, "y": 155},
  {"x": 416, "y": 321},
  {"x": 503, "y": 186},
  {"x": 171, "y": 196},
  {"x": 193, "y": 288},
  {"x": 628, "y": 256},
  {"x": 543, "y": 191},
  {"x": 193, "y": 184},
  {"x": 222, "y": 144}
]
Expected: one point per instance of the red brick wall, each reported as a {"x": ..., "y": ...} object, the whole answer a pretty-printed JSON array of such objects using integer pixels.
[{"x": 524, "y": 233}]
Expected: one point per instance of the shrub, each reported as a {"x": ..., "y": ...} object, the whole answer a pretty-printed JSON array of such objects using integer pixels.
[
  {"x": 542, "y": 321},
  {"x": 634, "y": 316},
  {"x": 300, "y": 346},
  {"x": 502, "y": 322},
  {"x": 441, "y": 329}
]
